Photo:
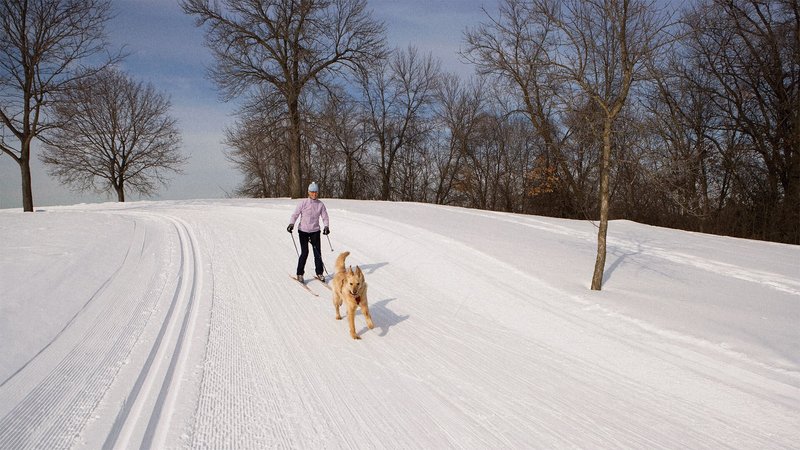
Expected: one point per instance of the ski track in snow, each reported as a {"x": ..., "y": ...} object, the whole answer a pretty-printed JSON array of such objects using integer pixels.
[
  {"x": 198, "y": 340},
  {"x": 69, "y": 377},
  {"x": 76, "y": 369},
  {"x": 145, "y": 419}
]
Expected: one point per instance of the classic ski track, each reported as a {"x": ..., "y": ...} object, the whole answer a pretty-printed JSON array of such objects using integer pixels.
[
  {"x": 138, "y": 240},
  {"x": 54, "y": 412},
  {"x": 145, "y": 419}
]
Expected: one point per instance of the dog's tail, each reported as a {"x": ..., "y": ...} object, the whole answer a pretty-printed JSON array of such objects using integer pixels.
[{"x": 340, "y": 261}]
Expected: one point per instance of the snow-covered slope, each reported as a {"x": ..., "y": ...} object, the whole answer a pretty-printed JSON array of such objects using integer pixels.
[{"x": 175, "y": 324}]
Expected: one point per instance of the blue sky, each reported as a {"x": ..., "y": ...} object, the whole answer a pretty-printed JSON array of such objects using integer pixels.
[{"x": 166, "y": 49}]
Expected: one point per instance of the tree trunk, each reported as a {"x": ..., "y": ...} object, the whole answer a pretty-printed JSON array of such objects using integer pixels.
[
  {"x": 350, "y": 182},
  {"x": 385, "y": 186},
  {"x": 600, "y": 263},
  {"x": 27, "y": 190},
  {"x": 120, "y": 193},
  {"x": 387, "y": 156},
  {"x": 295, "y": 151}
]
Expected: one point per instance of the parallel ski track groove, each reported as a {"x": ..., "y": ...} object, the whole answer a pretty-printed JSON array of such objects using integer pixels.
[
  {"x": 175, "y": 332},
  {"x": 54, "y": 412}
]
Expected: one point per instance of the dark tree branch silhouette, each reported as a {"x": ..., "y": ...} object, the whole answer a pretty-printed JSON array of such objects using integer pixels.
[
  {"x": 115, "y": 135},
  {"x": 286, "y": 46},
  {"x": 42, "y": 46}
]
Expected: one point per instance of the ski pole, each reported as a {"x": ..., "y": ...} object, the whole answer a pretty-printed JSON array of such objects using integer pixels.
[
  {"x": 295, "y": 244},
  {"x": 329, "y": 241}
]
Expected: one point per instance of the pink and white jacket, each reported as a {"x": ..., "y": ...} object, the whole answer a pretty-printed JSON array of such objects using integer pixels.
[{"x": 310, "y": 212}]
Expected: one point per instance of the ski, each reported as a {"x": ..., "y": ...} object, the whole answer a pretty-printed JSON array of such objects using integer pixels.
[{"x": 304, "y": 286}]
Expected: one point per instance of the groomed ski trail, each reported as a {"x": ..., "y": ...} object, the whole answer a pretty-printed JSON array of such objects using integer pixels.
[
  {"x": 145, "y": 419},
  {"x": 57, "y": 397},
  {"x": 195, "y": 339}
]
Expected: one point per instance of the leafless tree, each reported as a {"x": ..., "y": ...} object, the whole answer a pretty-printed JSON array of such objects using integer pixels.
[
  {"x": 42, "y": 44},
  {"x": 459, "y": 108},
  {"x": 560, "y": 56},
  {"x": 412, "y": 176},
  {"x": 515, "y": 49},
  {"x": 748, "y": 54},
  {"x": 603, "y": 48},
  {"x": 396, "y": 93},
  {"x": 345, "y": 134},
  {"x": 286, "y": 46},
  {"x": 683, "y": 117},
  {"x": 257, "y": 148},
  {"x": 115, "y": 134}
]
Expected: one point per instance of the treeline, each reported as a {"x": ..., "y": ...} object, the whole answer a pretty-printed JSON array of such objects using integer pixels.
[
  {"x": 707, "y": 140},
  {"x": 579, "y": 109}
]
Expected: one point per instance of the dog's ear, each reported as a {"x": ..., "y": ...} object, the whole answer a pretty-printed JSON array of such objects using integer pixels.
[{"x": 359, "y": 272}]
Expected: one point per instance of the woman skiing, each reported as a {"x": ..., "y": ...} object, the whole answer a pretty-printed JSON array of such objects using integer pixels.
[{"x": 310, "y": 210}]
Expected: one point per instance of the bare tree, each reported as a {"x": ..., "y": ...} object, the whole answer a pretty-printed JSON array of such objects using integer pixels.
[
  {"x": 397, "y": 91},
  {"x": 286, "y": 45},
  {"x": 257, "y": 151},
  {"x": 559, "y": 55},
  {"x": 604, "y": 47},
  {"x": 344, "y": 132},
  {"x": 411, "y": 176},
  {"x": 115, "y": 135},
  {"x": 683, "y": 116},
  {"x": 459, "y": 108},
  {"x": 258, "y": 146},
  {"x": 749, "y": 67},
  {"x": 515, "y": 49},
  {"x": 42, "y": 43}
]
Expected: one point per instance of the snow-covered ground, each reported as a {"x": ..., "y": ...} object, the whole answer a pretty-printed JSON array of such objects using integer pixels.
[{"x": 175, "y": 324}]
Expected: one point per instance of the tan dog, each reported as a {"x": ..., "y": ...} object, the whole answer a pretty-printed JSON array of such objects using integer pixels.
[{"x": 350, "y": 287}]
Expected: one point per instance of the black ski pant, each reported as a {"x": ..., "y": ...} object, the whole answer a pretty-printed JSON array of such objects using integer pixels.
[{"x": 314, "y": 238}]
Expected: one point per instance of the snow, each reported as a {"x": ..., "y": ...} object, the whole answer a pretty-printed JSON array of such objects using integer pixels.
[{"x": 174, "y": 325}]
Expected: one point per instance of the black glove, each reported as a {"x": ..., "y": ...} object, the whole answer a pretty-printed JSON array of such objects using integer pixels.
[
  {"x": 290, "y": 228},
  {"x": 326, "y": 231}
]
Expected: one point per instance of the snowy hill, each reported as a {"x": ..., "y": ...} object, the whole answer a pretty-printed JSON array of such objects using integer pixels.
[{"x": 175, "y": 324}]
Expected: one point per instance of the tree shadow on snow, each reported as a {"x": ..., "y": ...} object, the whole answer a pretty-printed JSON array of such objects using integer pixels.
[
  {"x": 384, "y": 317},
  {"x": 621, "y": 254}
]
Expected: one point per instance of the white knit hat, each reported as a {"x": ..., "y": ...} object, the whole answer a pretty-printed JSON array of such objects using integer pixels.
[{"x": 313, "y": 187}]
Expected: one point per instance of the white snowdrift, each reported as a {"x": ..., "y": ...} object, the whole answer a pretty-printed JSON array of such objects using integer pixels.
[{"x": 175, "y": 324}]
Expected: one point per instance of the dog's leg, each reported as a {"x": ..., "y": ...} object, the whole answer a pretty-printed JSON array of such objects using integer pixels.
[
  {"x": 365, "y": 311},
  {"x": 337, "y": 302},
  {"x": 351, "y": 318}
]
